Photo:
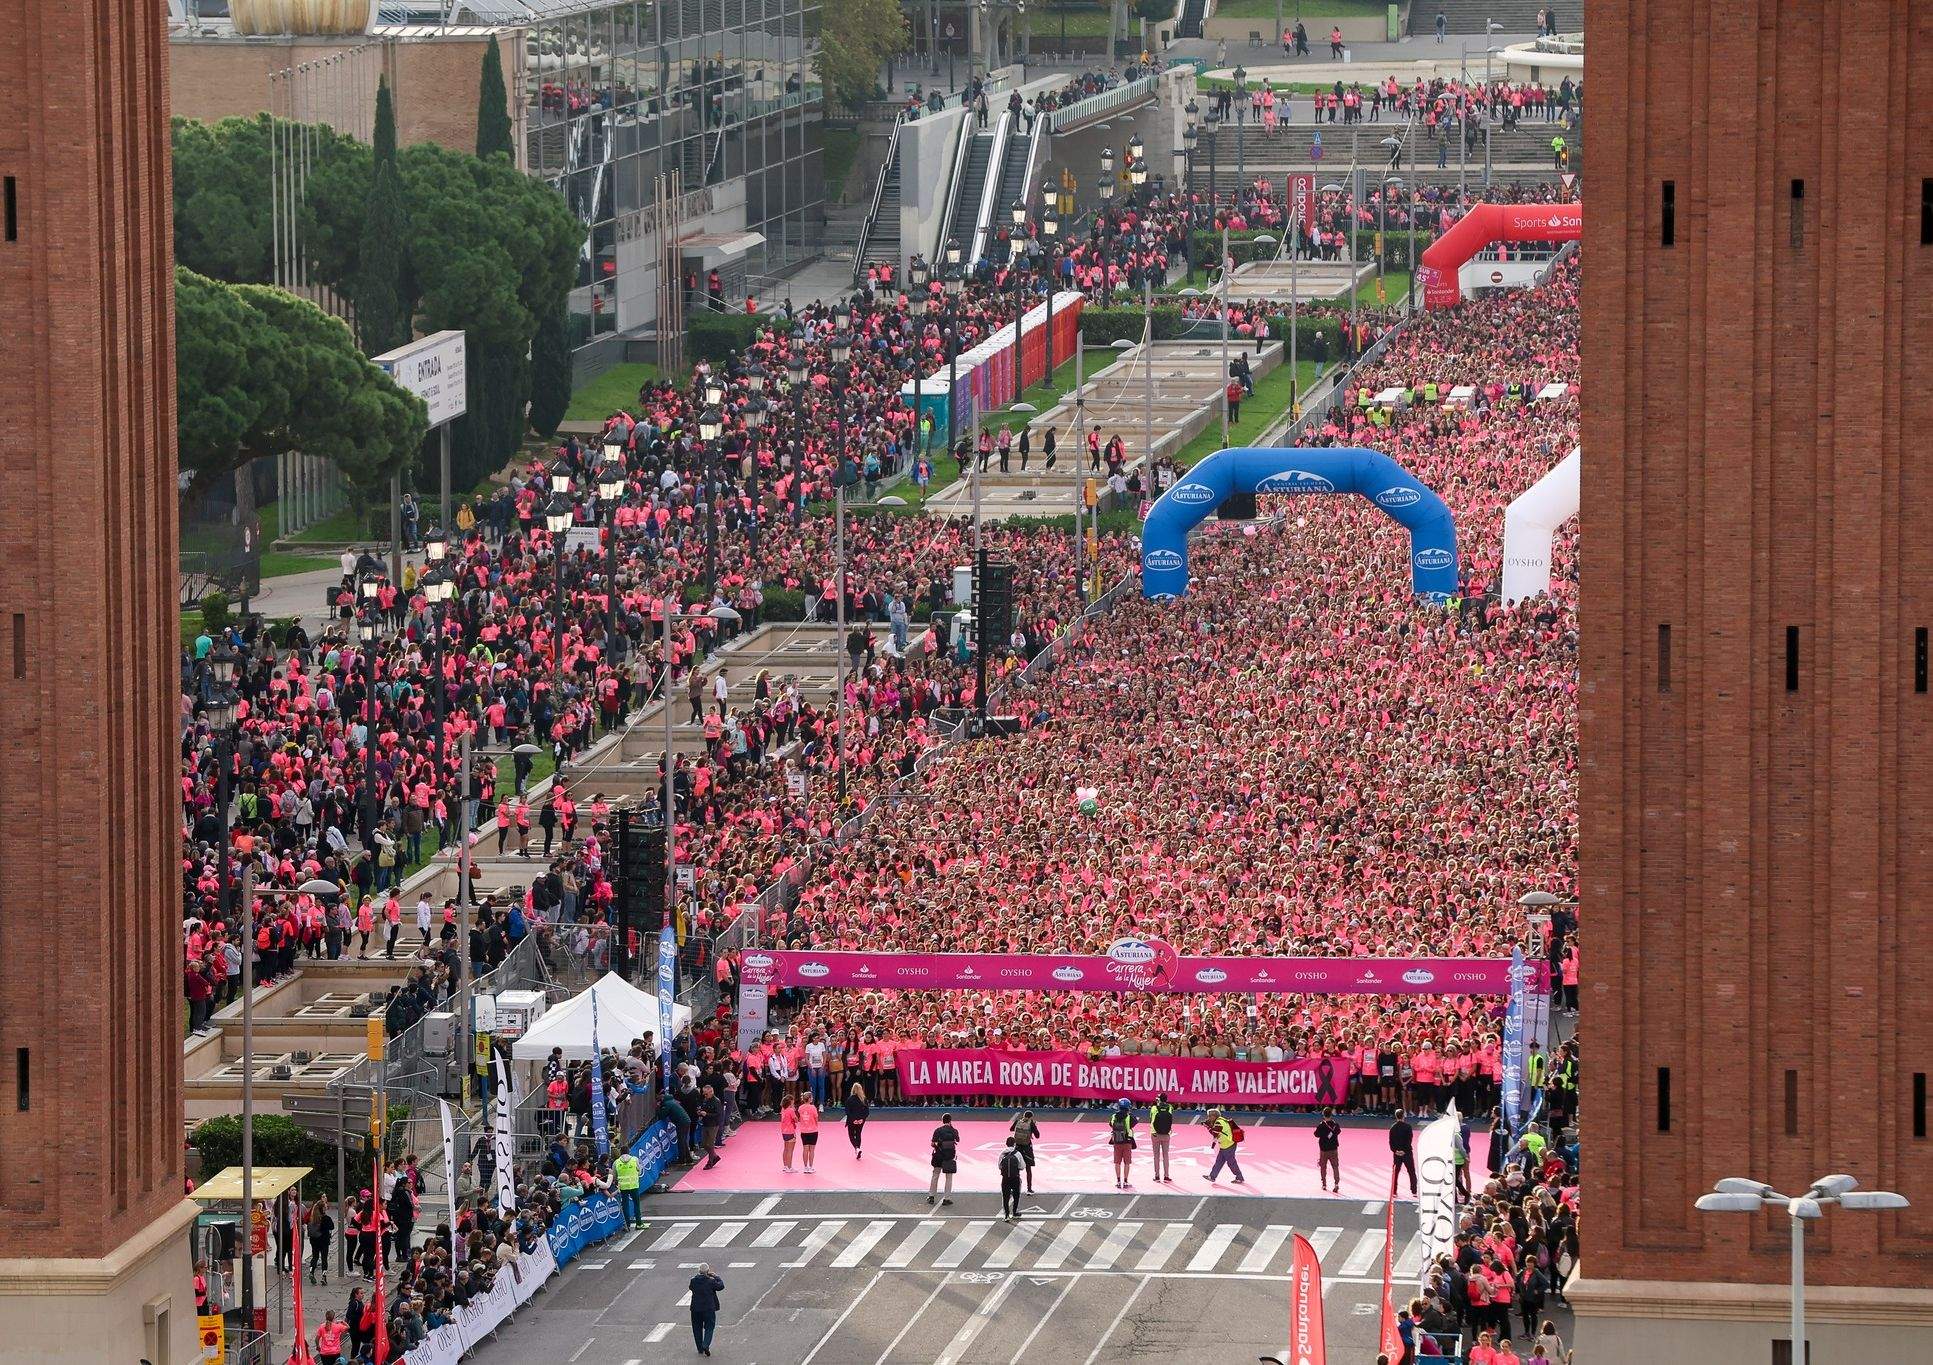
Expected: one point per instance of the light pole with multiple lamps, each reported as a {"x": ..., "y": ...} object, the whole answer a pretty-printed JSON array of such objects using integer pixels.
[{"x": 1736, "y": 1194}]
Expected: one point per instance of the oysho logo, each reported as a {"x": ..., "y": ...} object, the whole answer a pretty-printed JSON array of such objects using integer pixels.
[
  {"x": 1209, "y": 976},
  {"x": 1192, "y": 493},
  {"x": 1434, "y": 557},
  {"x": 1161, "y": 560},
  {"x": 1400, "y": 496},
  {"x": 1068, "y": 973},
  {"x": 814, "y": 969},
  {"x": 1416, "y": 976},
  {"x": 1295, "y": 481}
]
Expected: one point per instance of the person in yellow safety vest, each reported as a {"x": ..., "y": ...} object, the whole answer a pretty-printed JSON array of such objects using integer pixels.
[
  {"x": 1362, "y": 396},
  {"x": 1225, "y": 1135},
  {"x": 625, "y": 1172},
  {"x": 1429, "y": 392},
  {"x": 1536, "y": 1068}
]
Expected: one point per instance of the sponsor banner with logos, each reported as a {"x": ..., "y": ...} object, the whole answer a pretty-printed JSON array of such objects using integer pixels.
[
  {"x": 583, "y": 1223},
  {"x": 1072, "y": 1075},
  {"x": 1130, "y": 965}
]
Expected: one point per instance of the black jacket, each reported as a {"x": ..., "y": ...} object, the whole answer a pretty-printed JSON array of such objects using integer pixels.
[{"x": 704, "y": 1293}]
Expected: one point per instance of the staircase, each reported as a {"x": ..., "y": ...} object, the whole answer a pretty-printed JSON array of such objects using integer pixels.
[
  {"x": 1015, "y": 165},
  {"x": 877, "y": 241},
  {"x": 1469, "y": 16},
  {"x": 969, "y": 188}
]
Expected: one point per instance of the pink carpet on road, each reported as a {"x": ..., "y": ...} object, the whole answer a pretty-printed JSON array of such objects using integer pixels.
[{"x": 1072, "y": 1158}]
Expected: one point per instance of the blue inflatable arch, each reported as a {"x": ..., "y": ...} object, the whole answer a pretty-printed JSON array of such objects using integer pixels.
[{"x": 1332, "y": 469}]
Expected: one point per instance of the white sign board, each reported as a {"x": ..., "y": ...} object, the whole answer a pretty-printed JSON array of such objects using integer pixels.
[
  {"x": 582, "y": 538},
  {"x": 431, "y": 368}
]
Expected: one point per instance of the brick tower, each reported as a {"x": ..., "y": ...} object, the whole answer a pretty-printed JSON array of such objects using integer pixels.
[
  {"x": 1755, "y": 721},
  {"x": 95, "y": 1261}
]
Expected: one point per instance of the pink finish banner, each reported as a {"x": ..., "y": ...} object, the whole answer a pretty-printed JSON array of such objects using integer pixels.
[
  {"x": 1132, "y": 964},
  {"x": 1072, "y": 1075}
]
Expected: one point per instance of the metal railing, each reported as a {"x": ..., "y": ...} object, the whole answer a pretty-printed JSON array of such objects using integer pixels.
[
  {"x": 1105, "y": 101},
  {"x": 886, "y": 171}
]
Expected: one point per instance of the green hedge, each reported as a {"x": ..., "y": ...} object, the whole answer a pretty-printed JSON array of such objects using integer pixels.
[
  {"x": 783, "y": 604},
  {"x": 719, "y": 336},
  {"x": 278, "y": 1142},
  {"x": 1104, "y": 326}
]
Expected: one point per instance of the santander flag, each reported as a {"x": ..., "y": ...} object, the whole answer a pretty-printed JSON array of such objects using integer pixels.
[{"x": 1306, "y": 1345}]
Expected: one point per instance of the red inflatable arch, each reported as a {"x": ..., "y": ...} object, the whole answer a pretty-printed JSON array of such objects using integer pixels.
[{"x": 1482, "y": 225}]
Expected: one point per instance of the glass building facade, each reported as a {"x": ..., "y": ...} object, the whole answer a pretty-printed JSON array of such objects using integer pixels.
[{"x": 723, "y": 92}]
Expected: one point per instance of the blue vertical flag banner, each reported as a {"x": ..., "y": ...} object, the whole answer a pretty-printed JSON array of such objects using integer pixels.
[
  {"x": 600, "y": 1118},
  {"x": 1513, "y": 1046},
  {"x": 667, "y": 991}
]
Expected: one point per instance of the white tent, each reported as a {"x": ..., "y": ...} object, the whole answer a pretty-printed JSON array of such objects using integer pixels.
[
  {"x": 1530, "y": 527},
  {"x": 623, "y": 1012}
]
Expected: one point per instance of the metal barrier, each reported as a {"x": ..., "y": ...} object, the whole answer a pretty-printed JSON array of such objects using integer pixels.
[{"x": 1102, "y": 103}]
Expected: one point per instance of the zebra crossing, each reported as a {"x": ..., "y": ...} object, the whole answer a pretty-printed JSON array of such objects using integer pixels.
[{"x": 1147, "y": 1246}]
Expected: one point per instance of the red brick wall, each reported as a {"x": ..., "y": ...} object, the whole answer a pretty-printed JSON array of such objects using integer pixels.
[
  {"x": 1755, "y": 861},
  {"x": 90, "y": 945}
]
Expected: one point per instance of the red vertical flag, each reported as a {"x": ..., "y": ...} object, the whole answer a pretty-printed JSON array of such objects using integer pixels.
[
  {"x": 1390, "y": 1340},
  {"x": 382, "y": 1314},
  {"x": 1306, "y": 1345},
  {"x": 300, "y": 1354}
]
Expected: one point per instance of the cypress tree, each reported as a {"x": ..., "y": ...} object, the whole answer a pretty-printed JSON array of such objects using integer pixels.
[
  {"x": 550, "y": 371},
  {"x": 381, "y": 318},
  {"x": 493, "y": 107}
]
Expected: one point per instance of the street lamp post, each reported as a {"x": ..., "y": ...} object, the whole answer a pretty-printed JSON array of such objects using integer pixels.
[
  {"x": 557, "y": 520},
  {"x": 1736, "y": 1194},
  {"x": 368, "y": 632},
  {"x": 611, "y": 480},
  {"x": 755, "y": 378},
  {"x": 317, "y": 887},
  {"x": 952, "y": 283},
  {"x": 1049, "y": 236},
  {"x": 712, "y": 421},
  {"x": 1190, "y": 135},
  {"x": 795, "y": 381}
]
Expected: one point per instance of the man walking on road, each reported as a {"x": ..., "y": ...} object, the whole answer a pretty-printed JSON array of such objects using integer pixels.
[
  {"x": 1161, "y": 1126},
  {"x": 1025, "y": 1130},
  {"x": 1010, "y": 1167},
  {"x": 1225, "y": 1137},
  {"x": 1329, "y": 1152},
  {"x": 946, "y": 1160},
  {"x": 1402, "y": 1151},
  {"x": 705, "y": 1288}
]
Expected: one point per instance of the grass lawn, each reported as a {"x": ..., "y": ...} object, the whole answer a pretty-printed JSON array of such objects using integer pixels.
[
  {"x": 841, "y": 150},
  {"x": 280, "y": 563},
  {"x": 339, "y": 529},
  {"x": 1260, "y": 411},
  {"x": 1395, "y": 289},
  {"x": 616, "y": 388},
  {"x": 1076, "y": 21}
]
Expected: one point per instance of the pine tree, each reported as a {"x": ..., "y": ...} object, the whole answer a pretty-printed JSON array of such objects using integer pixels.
[
  {"x": 380, "y": 311},
  {"x": 493, "y": 107}
]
